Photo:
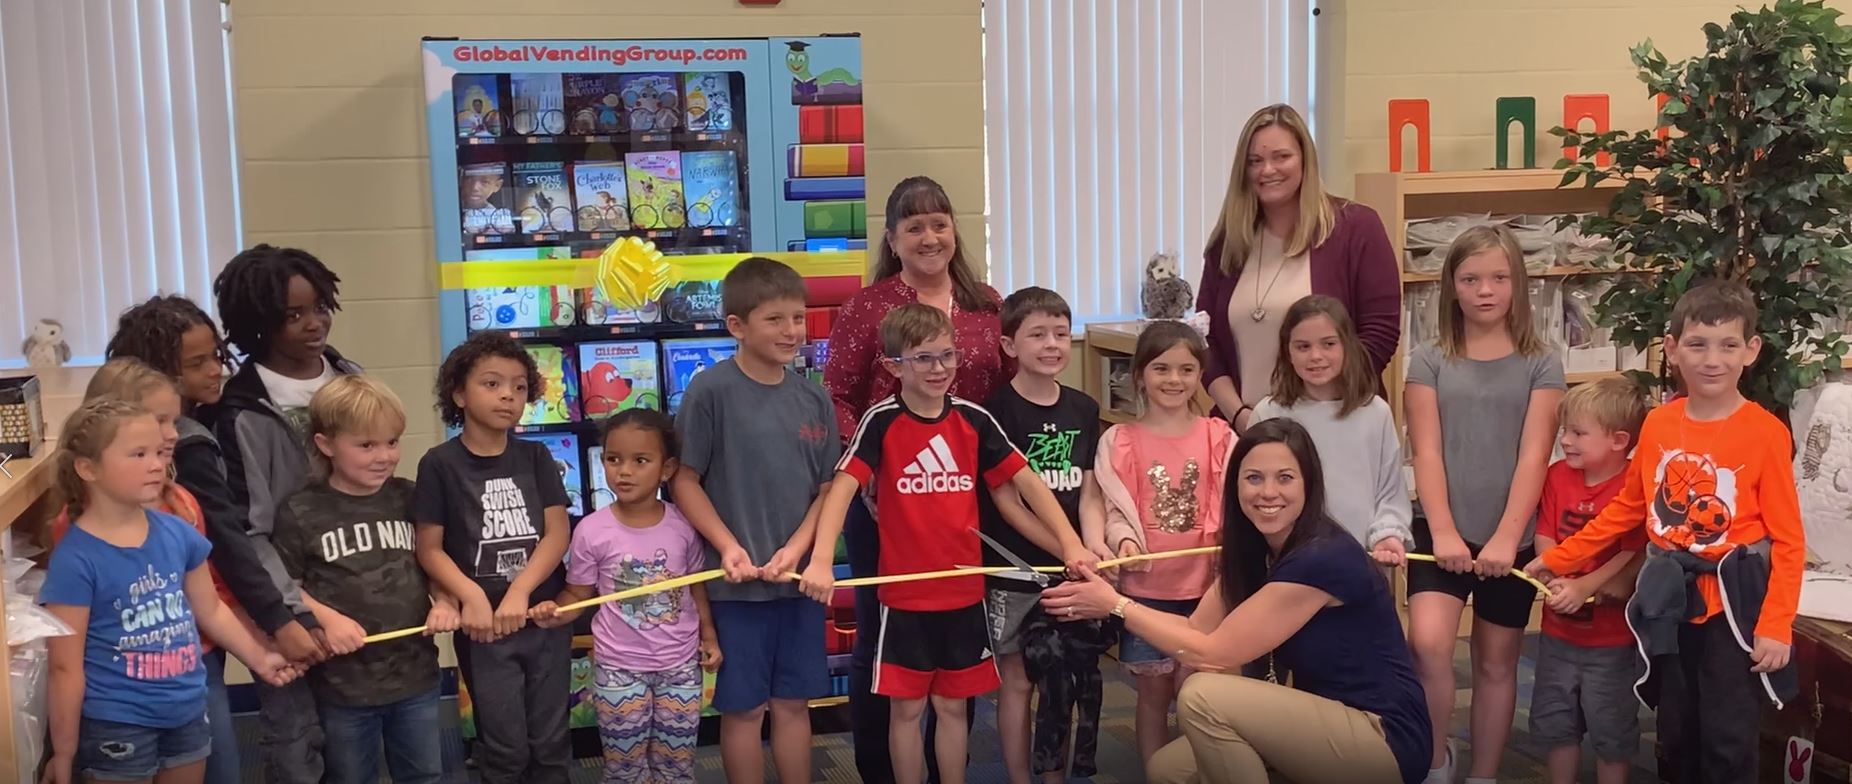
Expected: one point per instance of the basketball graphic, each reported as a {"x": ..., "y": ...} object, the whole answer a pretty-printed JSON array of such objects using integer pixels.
[
  {"x": 1687, "y": 477},
  {"x": 1708, "y": 519}
]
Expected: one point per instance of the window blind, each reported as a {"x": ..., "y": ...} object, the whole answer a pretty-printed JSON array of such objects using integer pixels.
[
  {"x": 117, "y": 176},
  {"x": 1110, "y": 128}
]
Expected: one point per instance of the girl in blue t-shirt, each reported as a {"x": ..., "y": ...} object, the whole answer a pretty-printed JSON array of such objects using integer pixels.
[{"x": 128, "y": 696}]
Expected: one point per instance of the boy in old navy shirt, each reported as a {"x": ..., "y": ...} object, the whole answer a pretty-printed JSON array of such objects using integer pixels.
[
  {"x": 923, "y": 452},
  {"x": 1712, "y": 484},
  {"x": 1586, "y": 663},
  {"x": 347, "y": 538}
]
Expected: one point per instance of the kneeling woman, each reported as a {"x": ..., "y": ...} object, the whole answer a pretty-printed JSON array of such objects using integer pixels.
[{"x": 1297, "y": 594}]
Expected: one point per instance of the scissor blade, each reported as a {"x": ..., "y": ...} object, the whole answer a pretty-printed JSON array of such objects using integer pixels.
[
  {"x": 1025, "y": 576},
  {"x": 1014, "y": 559}
]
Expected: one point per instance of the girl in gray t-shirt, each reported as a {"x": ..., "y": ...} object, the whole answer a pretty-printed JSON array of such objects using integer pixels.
[{"x": 1481, "y": 411}]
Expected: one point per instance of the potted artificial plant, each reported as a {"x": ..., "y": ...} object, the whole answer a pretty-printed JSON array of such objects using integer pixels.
[{"x": 1752, "y": 185}]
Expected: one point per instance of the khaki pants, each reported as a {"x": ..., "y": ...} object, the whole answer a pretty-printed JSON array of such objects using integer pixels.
[{"x": 1236, "y": 730}]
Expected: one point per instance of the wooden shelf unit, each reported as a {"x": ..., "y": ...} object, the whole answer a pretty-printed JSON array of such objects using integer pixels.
[
  {"x": 1399, "y": 197},
  {"x": 1103, "y": 344}
]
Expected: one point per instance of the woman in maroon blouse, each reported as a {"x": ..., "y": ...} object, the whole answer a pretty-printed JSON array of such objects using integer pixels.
[
  {"x": 1278, "y": 221},
  {"x": 920, "y": 259}
]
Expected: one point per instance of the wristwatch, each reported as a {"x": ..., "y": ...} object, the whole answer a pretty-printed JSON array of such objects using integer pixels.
[{"x": 1119, "y": 609}]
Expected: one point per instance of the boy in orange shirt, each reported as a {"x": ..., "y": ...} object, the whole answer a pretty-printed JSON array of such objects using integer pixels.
[{"x": 1713, "y": 485}]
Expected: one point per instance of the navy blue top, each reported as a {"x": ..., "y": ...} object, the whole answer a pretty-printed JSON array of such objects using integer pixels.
[{"x": 1354, "y": 653}]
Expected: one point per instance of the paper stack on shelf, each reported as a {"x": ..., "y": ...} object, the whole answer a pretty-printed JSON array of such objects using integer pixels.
[{"x": 1589, "y": 346}]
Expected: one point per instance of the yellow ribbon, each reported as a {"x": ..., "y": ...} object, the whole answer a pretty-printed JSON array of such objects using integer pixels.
[
  {"x": 886, "y": 579},
  {"x": 1515, "y": 572},
  {"x": 890, "y": 579},
  {"x": 584, "y": 273}
]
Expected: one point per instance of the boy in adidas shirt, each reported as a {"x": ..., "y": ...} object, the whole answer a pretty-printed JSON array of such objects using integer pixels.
[
  {"x": 1058, "y": 428},
  {"x": 923, "y": 452}
]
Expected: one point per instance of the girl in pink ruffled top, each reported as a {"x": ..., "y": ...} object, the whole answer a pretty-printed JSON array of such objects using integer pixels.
[{"x": 1162, "y": 477}]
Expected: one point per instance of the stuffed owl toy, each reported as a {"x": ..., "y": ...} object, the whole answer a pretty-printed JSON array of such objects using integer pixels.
[
  {"x": 45, "y": 347},
  {"x": 1166, "y": 295}
]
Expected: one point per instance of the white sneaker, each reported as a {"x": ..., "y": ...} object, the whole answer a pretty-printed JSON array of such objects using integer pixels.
[{"x": 1444, "y": 773}]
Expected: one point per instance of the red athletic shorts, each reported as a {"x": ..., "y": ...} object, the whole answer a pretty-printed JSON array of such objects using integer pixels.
[{"x": 946, "y": 653}]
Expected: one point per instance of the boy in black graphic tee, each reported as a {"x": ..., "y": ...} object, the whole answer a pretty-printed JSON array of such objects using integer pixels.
[
  {"x": 1057, "y": 429},
  {"x": 492, "y": 527},
  {"x": 347, "y": 539}
]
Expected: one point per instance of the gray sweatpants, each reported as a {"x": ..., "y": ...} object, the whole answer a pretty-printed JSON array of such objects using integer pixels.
[
  {"x": 291, "y": 734},
  {"x": 520, "y": 686}
]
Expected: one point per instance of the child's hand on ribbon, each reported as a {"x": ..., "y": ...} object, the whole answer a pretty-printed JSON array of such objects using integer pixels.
[
  {"x": 780, "y": 566},
  {"x": 545, "y": 615},
  {"x": 819, "y": 582},
  {"x": 1567, "y": 595},
  {"x": 1390, "y": 552},
  {"x": 478, "y": 619},
  {"x": 737, "y": 564},
  {"x": 443, "y": 617}
]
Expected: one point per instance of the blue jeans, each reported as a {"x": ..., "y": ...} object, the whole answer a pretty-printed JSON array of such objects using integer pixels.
[
  {"x": 224, "y": 766},
  {"x": 414, "y": 754},
  {"x": 113, "y": 751}
]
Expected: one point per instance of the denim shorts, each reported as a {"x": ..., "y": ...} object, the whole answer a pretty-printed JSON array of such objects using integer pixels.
[
  {"x": 1142, "y": 658},
  {"x": 112, "y": 751}
]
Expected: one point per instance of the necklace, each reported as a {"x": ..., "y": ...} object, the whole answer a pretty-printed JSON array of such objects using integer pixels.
[{"x": 1259, "y": 313}]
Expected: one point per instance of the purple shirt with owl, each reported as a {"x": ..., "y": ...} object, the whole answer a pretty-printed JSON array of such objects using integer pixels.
[{"x": 649, "y": 633}]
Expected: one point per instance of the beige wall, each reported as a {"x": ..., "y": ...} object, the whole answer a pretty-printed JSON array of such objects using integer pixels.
[
  {"x": 1462, "y": 55},
  {"x": 331, "y": 134}
]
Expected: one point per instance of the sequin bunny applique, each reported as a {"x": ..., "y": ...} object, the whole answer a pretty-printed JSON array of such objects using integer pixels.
[{"x": 1174, "y": 507}]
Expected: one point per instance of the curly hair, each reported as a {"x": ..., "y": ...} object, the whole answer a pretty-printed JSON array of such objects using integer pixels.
[
  {"x": 253, "y": 293},
  {"x": 646, "y": 419},
  {"x": 453, "y": 375},
  {"x": 151, "y": 332}
]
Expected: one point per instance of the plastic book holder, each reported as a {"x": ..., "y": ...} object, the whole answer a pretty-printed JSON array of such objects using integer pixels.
[{"x": 1404, "y": 112}]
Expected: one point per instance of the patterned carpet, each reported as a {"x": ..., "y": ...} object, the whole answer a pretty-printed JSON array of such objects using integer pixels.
[{"x": 834, "y": 759}]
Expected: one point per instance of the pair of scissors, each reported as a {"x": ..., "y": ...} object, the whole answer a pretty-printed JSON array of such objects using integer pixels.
[{"x": 1023, "y": 570}]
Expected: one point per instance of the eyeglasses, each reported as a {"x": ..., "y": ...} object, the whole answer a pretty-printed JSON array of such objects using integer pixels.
[{"x": 925, "y": 362}]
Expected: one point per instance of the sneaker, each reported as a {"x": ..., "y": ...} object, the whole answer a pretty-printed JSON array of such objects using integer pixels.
[{"x": 1444, "y": 773}]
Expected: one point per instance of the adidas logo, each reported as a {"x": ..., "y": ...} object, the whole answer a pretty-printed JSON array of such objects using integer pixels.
[{"x": 934, "y": 470}]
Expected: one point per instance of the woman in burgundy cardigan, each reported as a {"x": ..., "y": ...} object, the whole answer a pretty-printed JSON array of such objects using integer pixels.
[
  {"x": 921, "y": 258},
  {"x": 1278, "y": 221}
]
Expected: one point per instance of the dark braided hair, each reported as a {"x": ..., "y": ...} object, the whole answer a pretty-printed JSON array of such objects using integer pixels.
[
  {"x": 253, "y": 293},
  {"x": 151, "y": 332}
]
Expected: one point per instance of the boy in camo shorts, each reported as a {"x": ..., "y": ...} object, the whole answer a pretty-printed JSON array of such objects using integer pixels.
[{"x": 348, "y": 539}]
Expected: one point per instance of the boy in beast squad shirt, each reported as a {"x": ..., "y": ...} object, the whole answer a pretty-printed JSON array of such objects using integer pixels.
[{"x": 923, "y": 452}]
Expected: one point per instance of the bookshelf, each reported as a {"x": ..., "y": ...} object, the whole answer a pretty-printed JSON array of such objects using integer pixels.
[{"x": 1106, "y": 349}]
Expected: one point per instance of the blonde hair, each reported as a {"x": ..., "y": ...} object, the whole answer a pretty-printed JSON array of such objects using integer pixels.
[
  {"x": 1356, "y": 382},
  {"x": 1612, "y": 404},
  {"x": 127, "y": 379},
  {"x": 1238, "y": 225},
  {"x": 353, "y": 404},
  {"x": 1470, "y": 243},
  {"x": 86, "y": 433}
]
